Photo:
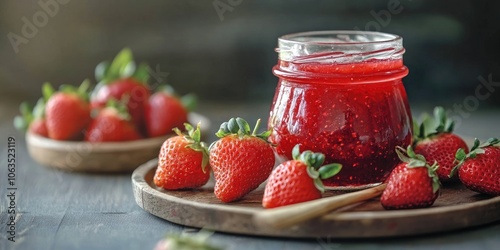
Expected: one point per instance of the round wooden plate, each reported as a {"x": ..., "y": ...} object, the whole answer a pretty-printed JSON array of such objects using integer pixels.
[
  {"x": 103, "y": 157},
  {"x": 456, "y": 208}
]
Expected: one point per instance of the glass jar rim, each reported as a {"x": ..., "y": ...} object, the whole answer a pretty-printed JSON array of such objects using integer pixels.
[{"x": 293, "y": 37}]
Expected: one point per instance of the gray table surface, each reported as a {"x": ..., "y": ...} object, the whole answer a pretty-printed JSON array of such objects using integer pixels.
[{"x": 61, "y": 210}]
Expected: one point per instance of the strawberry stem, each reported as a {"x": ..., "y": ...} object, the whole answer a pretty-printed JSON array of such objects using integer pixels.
[{"x": 257, "y": 125}]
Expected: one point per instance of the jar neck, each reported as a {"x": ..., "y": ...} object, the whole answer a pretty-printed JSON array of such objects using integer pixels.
[
  {"x": 340, "y": 57},
  {"x": 372, "y": 71}
]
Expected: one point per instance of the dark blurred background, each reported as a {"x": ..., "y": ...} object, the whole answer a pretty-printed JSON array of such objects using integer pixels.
[{"x": 223, "y": 50}]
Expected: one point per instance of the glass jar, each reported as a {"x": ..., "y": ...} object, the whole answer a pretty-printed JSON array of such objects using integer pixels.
[{"x": 340, "y": 93}]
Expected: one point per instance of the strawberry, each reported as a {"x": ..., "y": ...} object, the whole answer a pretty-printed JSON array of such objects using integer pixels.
[
  {"x": 183, "y": 161},
  {"x": 112, "y": 124},
  {"x": 164, "y": 112},
  {"x": 198, "y": 241},
  {"x": 479, "y": 170},
  {"x": 412, "y": 184},
  {"x": 121, "y": 80},
  {"x": 298, "y": 180},
  {"x": 67, "y": 111},
  {"x": 33, "y": 121},
  {"x": 241, "y": 160},
  {"x": 434, "y": 139}
]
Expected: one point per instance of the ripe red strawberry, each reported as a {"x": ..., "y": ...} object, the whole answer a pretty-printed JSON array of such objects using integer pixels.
[
  {"x": 67, "y": 111},
  {"x": 32, "y": 121},
  {"x": 164, "y": 112},
  {"x": 112, "y": 124},
  {"x": 298, "y": 180},
  {"x": 183, "y": 161},
  {"x": 241, "y": 160},
  {"x": 412, "y": 184},
  {"x": 434, "y": 139},
  {"x": 479, "y": 170},
  {"x": 121, "y": 80}
]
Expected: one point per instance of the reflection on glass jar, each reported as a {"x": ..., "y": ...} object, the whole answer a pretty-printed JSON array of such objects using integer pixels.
[{"x": 340, "y": 93}]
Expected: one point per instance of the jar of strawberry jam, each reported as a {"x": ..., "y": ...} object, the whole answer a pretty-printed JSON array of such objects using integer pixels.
[{"x": 341, "y": 93}]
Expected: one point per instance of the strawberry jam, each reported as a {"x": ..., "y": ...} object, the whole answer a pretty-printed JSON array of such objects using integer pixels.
[{"x": 341, "y": 94}]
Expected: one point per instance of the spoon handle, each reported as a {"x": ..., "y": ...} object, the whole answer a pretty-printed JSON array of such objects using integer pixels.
[{"x": 290, "y": 215}]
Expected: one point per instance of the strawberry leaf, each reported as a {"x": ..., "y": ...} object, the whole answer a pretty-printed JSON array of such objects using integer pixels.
[
  {"x": 460, "y": 155},
  {"x": 329, "y": 170},
  {"x": 22, "y": 122},
  {"x": 39, "y": 109},
  {"x": 101, "y": 70},
  {"x": 401, "y": 152},
  {"x": 128, "y": 70},
  {"x": 189, "y": 101},
  {"x": 118, "y": 65},
  {"x": 296, "y": 152},
  {"x": 244, "y": 128},
  {"x": 47, "y": 91},
  {"x": 142, "y": 73},
  {"x": 193, "y": 136},
  {"x": 415, "y": 163},
  {"x": 314, "y": 168},
  {"x": 431, "y": 126},
  {"x": 476, "y": 144},
  {"x": 238, "y": 126},
  {"x": 233, "y": 127}
]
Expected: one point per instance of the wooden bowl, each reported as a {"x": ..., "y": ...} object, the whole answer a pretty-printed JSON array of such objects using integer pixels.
[{"x": 104, "y": 157}]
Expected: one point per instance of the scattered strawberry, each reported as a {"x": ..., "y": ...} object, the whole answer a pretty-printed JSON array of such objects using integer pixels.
[
  {"x": 32, "y": 121},
  {"x": 412, "y": 184},
  {"x": 67, "y": 111},
  {"x": 198, "y": 241},
  {"x": 121, "y": 80},
  {"x": 163, "y": 112},
  {"x": 241, "y": 160},
  {"x": 298, "y": 180},
  {"x": 434, "y": 139},
  {"x": 183, "y": 161},
  {"x": 112, "y": 124},
  {"x": 479, "y": 170}
]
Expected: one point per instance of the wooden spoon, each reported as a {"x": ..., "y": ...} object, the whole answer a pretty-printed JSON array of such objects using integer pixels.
[{"x": 290, "y": 215}]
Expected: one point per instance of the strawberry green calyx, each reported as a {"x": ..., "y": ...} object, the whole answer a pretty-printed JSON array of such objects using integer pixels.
[
  {"x": 314, "y": 162},
  {"x": 476, "y": 149},
  {"x": 23, "y": 121},
  {"x": 431, "y": 126},
  {"x": 47, "y": 91},
  {"x": 121, "y": 108},
  {"x": 82, "y": 91},
  {"x": 238, "y": 126},
  {"x": 193, "y": 136},
  {"x": 413, "y": 160},
  {"x": 122, "y": 66}
]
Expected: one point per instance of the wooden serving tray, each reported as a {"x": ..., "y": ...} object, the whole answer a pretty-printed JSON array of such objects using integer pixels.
[{"x": 456, "y": 208}]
